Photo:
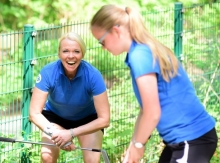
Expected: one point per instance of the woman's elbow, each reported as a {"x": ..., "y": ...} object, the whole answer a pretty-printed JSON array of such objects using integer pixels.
[
  {"x": 157, "y": 116},
  {"x": 106, "y": 123},
  {"x": 31, "y": 117}
]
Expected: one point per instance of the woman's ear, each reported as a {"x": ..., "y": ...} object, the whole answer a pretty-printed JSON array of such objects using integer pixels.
[{"x": 117, "y": 30}]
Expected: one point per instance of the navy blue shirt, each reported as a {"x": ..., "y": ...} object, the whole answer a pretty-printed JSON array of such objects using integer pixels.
[
  {"x": 71, "y": 99},
  {"x": 183, "y": 117}
]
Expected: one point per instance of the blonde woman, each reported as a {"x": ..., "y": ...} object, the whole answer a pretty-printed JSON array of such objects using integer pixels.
[
  {"x": 70, "y": 100},
  {"x": 165, "y": 94}
]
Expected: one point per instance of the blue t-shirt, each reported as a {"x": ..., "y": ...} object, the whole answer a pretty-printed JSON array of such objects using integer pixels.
[
  {"x": 71, "y": 99},
  {"x": 183, "y": 117}
]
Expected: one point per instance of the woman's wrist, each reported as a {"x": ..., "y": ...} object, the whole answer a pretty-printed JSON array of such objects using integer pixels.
[
  {"x": 72, "y": 133},
  {"x": 49, "y": 129},
  {"x": 138, "y": 144}
]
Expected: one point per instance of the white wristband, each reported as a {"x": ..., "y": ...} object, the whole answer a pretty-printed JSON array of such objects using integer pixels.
[
  {"x": 71, "y": 133},
  {"x": 49, "y": 129}
]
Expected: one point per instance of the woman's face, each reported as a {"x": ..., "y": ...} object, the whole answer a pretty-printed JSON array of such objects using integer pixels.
[
  {"x": 70, "y": 55},
  {"x": 109, "y": 39}
]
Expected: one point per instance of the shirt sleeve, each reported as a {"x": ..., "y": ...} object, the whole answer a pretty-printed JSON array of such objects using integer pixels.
[
  {"x": 97, "y": 84},
  {"x": 42, "y": 81},
  {"x": 142, "y": 62}
]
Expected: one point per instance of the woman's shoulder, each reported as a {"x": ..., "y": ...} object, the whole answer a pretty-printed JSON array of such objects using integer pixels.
[
  {"x": 52, "y": 65},
  {"x": 140, "y": 53},
  {"x": 139, "y": 46},
  {"x": 51, "y": 70}
]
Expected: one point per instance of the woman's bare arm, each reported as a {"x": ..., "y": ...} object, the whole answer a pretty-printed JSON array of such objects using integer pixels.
[{"x": 37, "y": 104}]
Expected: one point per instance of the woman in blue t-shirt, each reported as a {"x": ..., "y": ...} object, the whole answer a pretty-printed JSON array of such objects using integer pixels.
[
  {"x": 70, "y": 100},
  {"x": 165, "y": 94}
]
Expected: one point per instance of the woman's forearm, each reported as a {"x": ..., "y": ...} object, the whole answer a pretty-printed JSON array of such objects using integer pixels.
[
  {"x": 95, "y": 125},
  {"x": 144, "y": 126},
  {"x": 39, "y": 120}
]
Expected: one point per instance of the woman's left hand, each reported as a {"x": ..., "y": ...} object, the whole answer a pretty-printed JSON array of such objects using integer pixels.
[
  {"x": 133, "y": 154},
  {"x": 61, "y": 137},
  {"x": 68, "y": 147}
]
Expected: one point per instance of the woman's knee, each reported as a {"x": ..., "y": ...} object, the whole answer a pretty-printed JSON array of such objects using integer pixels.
[
  {"x": 93, "y": 140},
  {"x": 49, "y": 155}
]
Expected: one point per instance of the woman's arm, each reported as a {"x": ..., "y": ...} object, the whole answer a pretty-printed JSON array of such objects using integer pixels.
[
  {"x": 148, "y": 117},
  {"x": 103, "y": 111},
  {"x": 37, "y": 104},
  {"x": 150, "y": 114},
  {"x": 136, "y": 123}
]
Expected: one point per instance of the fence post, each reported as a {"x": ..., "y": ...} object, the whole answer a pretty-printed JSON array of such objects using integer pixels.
[
  {"x": 178, "y": 30},
  {"x": 28, "y": 48}
]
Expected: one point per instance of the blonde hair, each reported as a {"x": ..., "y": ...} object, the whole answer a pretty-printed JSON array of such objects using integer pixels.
[
  {"x": 74, "y": 37},
  {"x": 110, "y": 15}
]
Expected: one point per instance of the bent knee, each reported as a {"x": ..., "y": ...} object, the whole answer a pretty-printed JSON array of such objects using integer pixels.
[{"x": 49, "y": 156}]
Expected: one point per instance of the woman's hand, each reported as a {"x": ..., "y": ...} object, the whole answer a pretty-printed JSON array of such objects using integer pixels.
[
  {"x": 133, "y": 154},
  {"x": 69, "y": 147},
  {"x": 61, "y": 138}
]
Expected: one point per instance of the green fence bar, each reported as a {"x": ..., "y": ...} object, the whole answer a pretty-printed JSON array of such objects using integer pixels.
[
  {"x": 27, "y": 82},
  {"x": 178, "y": 29},
  {"x": 196, "y": 36}
]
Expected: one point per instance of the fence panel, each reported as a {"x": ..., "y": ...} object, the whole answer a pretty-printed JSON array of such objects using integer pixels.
[{"x": 200, "y": 57}]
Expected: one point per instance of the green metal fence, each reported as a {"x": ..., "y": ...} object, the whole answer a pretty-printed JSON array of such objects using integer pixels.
[{"x": 193, "y": 33}]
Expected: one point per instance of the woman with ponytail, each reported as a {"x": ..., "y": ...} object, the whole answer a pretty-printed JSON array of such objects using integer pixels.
[{"x": 167, "y": 99}]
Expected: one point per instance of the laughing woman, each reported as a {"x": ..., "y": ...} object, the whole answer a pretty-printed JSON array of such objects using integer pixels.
[{"x": 70, "y": 100}]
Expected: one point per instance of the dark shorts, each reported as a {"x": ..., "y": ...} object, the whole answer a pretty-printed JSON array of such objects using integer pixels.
[
  {"x": 199, "y": 150},
  {"x": 68, "y": 124}
]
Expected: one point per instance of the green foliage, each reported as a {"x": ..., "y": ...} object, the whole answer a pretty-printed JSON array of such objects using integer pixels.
[
  {"x": 16, "y": 13},
  {"x": 201, "y": 58}
]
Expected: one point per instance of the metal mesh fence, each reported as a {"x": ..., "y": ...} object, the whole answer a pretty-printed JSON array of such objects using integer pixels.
[{"x": 200, "y": 57}]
